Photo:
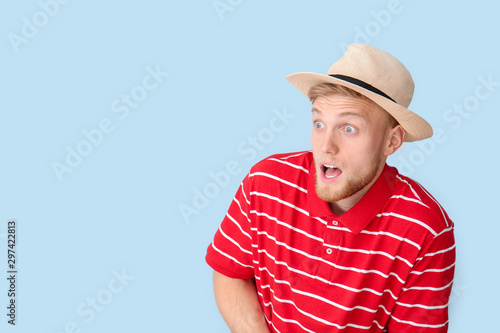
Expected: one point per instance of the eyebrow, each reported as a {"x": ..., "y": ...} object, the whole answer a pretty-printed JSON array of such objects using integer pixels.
[
  {"x": 344, "y": 114},
  {"x": 352, "y": 114}
]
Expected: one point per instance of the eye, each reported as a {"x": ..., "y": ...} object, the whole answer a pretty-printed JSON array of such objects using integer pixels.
[
  {"x": 350, "y": 129},
  {"x": 318, "y": 124}
]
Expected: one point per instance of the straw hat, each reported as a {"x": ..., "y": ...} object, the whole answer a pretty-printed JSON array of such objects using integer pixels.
[{"x": 377, "y": 75}]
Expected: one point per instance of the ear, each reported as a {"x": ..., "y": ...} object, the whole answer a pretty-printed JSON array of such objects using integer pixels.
[{"x": 395, "y": 137}]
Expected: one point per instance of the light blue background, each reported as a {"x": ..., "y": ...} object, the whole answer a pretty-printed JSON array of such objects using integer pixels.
[{"x": 119, "y": 209}]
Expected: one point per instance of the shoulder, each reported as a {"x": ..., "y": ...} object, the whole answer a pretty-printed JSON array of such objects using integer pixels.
[
  {"x": 418, "y": 204},
  {"x": 281, "y": 171},
  {"x": 285, "y": 163}
]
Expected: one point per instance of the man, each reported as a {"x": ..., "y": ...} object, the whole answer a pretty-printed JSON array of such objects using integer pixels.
[{"x": 335, "y": 240}]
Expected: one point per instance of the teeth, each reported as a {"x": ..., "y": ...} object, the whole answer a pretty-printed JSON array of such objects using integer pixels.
[{"x": 329, "y": 166}]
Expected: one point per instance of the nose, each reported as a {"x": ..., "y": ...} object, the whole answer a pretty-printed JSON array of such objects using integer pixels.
[{"x": 329, "y": 143}]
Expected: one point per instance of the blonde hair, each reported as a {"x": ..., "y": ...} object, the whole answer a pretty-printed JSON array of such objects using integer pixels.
[{"x": 327, "y": 89}]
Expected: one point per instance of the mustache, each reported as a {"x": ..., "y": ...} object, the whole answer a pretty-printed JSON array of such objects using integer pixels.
[{"x": 328, "y": 162}]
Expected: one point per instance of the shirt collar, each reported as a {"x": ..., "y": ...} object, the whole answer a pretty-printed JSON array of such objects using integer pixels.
[{"x": 358, "y": 217}]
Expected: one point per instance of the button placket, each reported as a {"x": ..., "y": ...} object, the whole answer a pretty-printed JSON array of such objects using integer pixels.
[{"x": 332, "y": 238}]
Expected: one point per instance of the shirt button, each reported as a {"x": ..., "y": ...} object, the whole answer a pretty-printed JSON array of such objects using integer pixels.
[
  {"x": 335, "y": 223},
  {"x": 329, "y": 251}
]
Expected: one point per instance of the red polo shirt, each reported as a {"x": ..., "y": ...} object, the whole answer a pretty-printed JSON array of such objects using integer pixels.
[{"x": 387, "y": 264}]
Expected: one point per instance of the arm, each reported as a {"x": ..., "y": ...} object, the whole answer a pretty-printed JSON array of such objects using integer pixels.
[
  {"x": 422, "y": 306},
  {"x": 239, "y": 304}
]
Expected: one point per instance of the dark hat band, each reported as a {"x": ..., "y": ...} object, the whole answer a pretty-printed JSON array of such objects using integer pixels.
[{"x": 362, "y": 84}]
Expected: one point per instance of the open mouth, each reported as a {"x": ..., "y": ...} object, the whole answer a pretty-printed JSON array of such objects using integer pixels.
[{"x": 331, "y": 171}]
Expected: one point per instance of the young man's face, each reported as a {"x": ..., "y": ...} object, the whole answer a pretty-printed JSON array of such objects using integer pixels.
[{"x": 349, "y": 137}]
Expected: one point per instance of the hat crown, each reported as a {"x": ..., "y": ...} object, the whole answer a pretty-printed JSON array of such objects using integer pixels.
[{"x": 377, "y": 68}]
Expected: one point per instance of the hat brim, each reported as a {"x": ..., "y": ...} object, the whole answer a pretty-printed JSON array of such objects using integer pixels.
[{"x": 415, "y": 127}]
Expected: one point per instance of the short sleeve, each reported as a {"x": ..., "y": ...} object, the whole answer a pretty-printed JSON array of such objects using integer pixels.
[
  {"x": 422, "y": 305},
  {"x": 230, "y": 253}
]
